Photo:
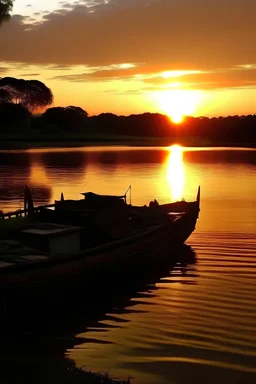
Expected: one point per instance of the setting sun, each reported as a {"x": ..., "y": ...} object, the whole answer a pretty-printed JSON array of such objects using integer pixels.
[
  {"x": 177, "y": 119},
  {"x": 177, "y": 103}
]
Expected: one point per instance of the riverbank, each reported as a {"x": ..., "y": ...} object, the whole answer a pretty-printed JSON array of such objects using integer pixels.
[
  {"x": 14, "y": 142},
  {"x": 51, "y": 371}
]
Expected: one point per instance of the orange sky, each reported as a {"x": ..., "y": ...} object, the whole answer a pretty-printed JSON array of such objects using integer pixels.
[{"x": 180, "y": 57}]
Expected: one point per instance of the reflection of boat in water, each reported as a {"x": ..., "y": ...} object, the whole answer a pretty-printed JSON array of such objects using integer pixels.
[
  {"x": 84, "y": 305},
  {"x": 37, "y": 339},
  {"x": 92, "y": 238}
]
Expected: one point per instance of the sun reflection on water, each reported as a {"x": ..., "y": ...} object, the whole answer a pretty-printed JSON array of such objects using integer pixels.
[{"x": 176, "y": 172}]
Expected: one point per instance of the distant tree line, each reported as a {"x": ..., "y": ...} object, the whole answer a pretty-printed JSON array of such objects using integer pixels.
[{"x": 19, "y": 99}]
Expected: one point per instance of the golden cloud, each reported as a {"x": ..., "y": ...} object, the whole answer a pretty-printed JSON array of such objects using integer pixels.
[{"x": 204, "y": 34}]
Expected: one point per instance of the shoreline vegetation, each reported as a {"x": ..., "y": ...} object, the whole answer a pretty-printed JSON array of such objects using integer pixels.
[
  {"x": 21, "y": 128},
  {"x": 19, "y": 145},
  {"x": 65, "y": 140},
  {"x": 60, "y": 370},
  {"x": 76, "y": 375},
  {"x": 66, "y": 129},
  {"x": 35, "y": 142}
]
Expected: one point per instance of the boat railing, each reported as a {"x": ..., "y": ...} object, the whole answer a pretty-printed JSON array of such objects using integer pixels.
[{"x": 24, "y": 212}]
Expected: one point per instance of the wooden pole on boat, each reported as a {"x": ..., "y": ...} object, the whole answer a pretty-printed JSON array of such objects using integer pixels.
[
  {"x": 28, "y": 201},
  {"x": 129, "y": 188},
  {"x": 198, "y": 198},
  {"x": 25, "y": 201}
]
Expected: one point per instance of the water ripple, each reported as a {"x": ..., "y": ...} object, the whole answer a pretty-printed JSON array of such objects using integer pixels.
[{"x": 201, "y": 314}]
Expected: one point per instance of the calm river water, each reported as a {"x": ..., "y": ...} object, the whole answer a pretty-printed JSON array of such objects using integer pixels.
[{"x": 195, "y": 322}]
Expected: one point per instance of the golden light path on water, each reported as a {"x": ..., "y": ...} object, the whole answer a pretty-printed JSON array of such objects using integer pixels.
[
  {"x": 189, "y": 323},
  {"x": 176, "y": 172}
]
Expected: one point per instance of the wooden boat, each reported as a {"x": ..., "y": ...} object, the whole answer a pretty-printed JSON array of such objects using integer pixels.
[{"x": 89, "y": 239}]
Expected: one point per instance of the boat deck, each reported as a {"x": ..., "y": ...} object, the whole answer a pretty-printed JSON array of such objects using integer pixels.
[
  {"x": 34, "y": 242},
  {"x": 14, "y": 252}
]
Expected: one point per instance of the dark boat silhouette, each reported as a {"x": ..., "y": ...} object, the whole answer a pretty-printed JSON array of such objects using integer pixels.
[{"x": 88, "y": 240}]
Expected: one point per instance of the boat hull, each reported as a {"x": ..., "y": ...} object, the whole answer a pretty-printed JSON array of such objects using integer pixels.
[{"x": 60, "y": 279}]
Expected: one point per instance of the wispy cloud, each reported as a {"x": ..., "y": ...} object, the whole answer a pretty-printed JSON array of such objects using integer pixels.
[
  {"x": 151, "y": 31},
  {"x": 59, "y": 67},
  {"x": 233, "y": 77},
  {"x": 2, "y": 70},
  {"x": 29, "y": 75}
]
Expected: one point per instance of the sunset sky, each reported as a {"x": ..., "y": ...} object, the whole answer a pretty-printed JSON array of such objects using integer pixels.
[{"x": 179, "y": 57}]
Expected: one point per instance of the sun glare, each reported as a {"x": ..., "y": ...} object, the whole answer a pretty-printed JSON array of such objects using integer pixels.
[
  {"x": 177, "y": 119},
  {"x": 176, "y": 172},
  {"x": 177, "y": 103}
]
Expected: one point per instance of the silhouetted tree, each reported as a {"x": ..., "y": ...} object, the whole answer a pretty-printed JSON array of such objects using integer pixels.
[
  {"x": 31, "y": 94},
  {"x": 77, "y": 110},
  {"x": 69, "y": 119},
  {"x": 5, "y": 9},
  {"x": 4, "y": 96},
  {"x": 13, "y": 118}
]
